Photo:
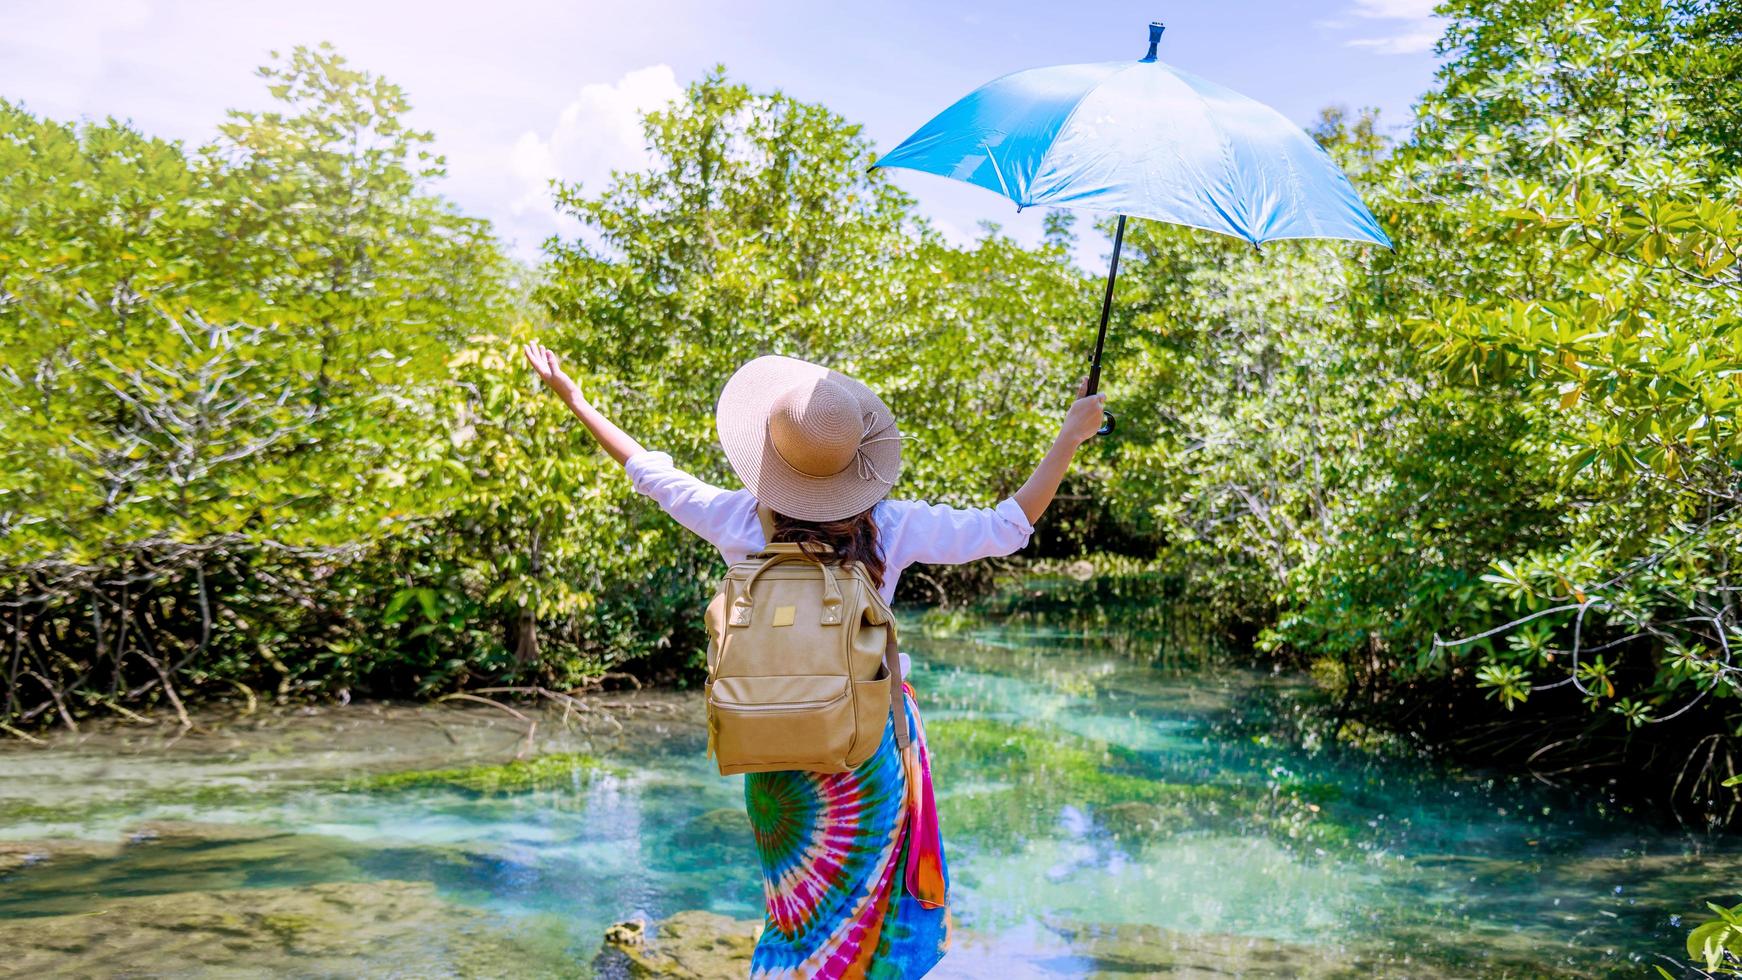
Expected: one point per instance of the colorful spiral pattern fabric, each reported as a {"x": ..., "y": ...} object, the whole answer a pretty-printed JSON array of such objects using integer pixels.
[{"x": 852, "y": 866}]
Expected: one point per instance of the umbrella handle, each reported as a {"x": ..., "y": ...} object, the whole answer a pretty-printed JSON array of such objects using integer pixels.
[{"x": 1107, "y": 426}]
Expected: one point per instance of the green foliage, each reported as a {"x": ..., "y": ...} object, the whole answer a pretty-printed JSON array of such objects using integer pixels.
[
  {"x": 266, "y": 425},
  {"x": 1581, "y": 238},
  {"x": 212, "y": 360},
  {"x": 1507, "y": 457},
  {"x": 1717, "y": 945},
  {"x": 1308, "y": 477}
]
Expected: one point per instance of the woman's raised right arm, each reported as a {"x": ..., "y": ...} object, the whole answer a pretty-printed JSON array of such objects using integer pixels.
[
  {"x": 619, "y": 444},
  {"x": 940, "y": 534},
  {"x": 1082, "y": 420},
  {"x": 725, "y": 519}
]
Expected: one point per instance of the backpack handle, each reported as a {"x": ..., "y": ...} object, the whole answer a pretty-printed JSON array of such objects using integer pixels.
[{"x": 742, "y": 606}]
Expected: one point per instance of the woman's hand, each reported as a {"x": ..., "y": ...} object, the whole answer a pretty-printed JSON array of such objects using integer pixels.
[
  {"x": 1084, "y": 418},
  {"x": 544, "y": 364},
  {"x": 619, "y": 444}
]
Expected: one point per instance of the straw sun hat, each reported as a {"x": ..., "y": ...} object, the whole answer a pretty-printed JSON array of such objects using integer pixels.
[{"x": 808, "y": 442}]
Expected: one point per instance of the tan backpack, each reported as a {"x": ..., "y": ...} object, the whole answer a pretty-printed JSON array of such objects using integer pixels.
[{"x": 803, "y": 671}]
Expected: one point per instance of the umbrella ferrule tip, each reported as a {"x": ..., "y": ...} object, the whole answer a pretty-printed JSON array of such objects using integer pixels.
[{"x": 1155, "y": 29}]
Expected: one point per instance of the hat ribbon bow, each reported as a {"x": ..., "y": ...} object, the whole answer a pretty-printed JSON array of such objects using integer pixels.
[{"x": 867, "y": 469}]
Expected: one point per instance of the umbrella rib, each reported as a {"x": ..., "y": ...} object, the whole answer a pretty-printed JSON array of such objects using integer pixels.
[
  {"x": 1066, "y": 123},
  {"x": 1227, "y": 147},
  {"x": 998, "y": 172},
  {"x": 1294, "y": 183}
]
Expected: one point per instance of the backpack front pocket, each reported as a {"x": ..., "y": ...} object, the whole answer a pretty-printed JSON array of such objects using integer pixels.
[{"x": 780, "y": 722}]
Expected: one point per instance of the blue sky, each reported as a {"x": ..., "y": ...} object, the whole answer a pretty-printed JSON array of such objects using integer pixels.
[{"x": 517, "y": 92}]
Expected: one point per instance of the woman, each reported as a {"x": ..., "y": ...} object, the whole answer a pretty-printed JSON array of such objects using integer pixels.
[{"x": 852, "y": 863}]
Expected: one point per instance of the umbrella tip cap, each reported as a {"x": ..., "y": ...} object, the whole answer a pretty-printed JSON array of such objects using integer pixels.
[{"x": 1155, "y": 29}]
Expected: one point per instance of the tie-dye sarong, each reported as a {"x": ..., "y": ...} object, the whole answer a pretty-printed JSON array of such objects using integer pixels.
[{"x": 852, "y": 866}]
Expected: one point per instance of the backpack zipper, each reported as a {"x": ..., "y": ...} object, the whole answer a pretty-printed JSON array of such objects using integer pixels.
[{"x": 777, "y": 708}]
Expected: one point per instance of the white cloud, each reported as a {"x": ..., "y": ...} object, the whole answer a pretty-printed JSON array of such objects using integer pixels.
[
  {"x": 600, "y": 131},
  {"x": 1411, "y": 42},
  {"x": 1415, "y": 30},
  {"x": 1394, "y": 9}
]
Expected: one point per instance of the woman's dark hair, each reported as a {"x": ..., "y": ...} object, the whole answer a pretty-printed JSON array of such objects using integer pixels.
[{"x": 853, "y": 539}]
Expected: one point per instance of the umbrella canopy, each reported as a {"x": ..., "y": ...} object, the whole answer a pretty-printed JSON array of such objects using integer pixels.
[{"x": 1144, "y": 139}]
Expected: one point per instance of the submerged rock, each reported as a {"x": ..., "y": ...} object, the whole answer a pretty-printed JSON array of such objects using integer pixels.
[
  {"x": 630, "y": 933},
  {"x": 26, "y": 853},
  {"x": 557, "y": 770},
  {"x": 730, "y": 824},
  {"x": 1126, "y": 950},
  {"x": 689, "y": 945},
  {"x": 1139, "y": 819},
  {"x": 345, "y": 929}
]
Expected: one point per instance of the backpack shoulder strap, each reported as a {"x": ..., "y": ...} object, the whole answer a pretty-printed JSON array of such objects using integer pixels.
[
  {"x": 765, "y": 517},
  {"x": 897, "y": 697}
]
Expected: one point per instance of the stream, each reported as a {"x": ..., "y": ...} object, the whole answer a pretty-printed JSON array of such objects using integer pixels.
[{"x": 1109, "y": 807}]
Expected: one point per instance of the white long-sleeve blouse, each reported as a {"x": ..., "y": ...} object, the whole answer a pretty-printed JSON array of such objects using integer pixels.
[{"x": 909, "y": 531}]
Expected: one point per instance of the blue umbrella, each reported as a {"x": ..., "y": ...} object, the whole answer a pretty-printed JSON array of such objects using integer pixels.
[{"x": 1142, "y": 139}]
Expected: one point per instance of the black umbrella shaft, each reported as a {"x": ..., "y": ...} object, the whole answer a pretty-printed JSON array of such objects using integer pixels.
[{"x": 1106, "y": 309}]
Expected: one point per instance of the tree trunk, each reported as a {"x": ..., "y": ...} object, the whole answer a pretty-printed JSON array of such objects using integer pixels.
[{"x": 525, "y": 640}]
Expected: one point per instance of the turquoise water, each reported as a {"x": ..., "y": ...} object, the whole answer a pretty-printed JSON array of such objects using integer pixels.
[{"x": 1105, "y": 813}]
